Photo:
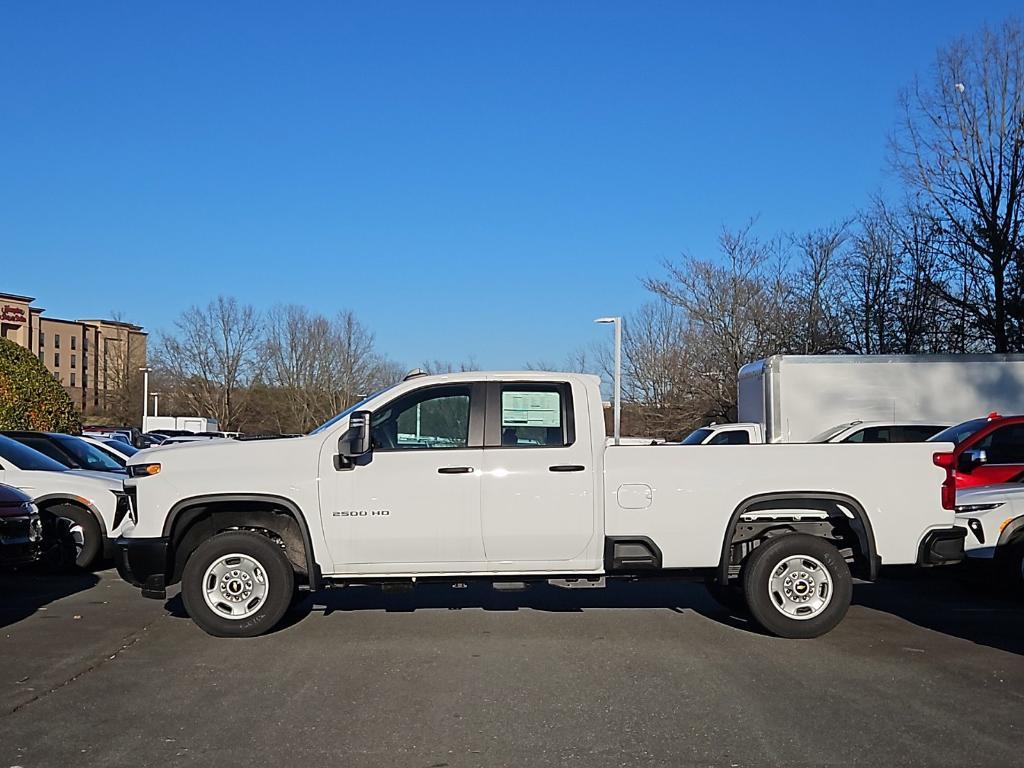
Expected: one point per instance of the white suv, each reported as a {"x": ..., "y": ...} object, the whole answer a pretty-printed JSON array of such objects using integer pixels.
[{"x": 86, "y": 508}]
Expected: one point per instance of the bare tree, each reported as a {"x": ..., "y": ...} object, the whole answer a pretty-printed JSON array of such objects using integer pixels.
[
  {"x": 318, "y": 367},
  {"x": 817, "y": 289},
  {"x": 960, "y": 143},
  {"x": 736, "y": 309},
  {"x": 212, "y": 359}
]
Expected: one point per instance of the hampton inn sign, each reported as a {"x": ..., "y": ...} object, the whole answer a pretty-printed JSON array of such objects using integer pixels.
[{"x": 13, "y": 314}]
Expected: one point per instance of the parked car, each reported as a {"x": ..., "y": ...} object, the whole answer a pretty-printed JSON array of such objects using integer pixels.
[
  {"x": 118, "y": 450},
  {"x": 994, "y": 518},
  {"x": 507, "y": 477},
  {"x": 73, "y": 452},
  {"x": 85, "y": 508},
  {"x": 879, "y": 432},
  {"x": 742, "y": 433},
  {"x": 725, "y": 434},
  {"x": 989, "y": 450},
  {"x": 21, "y": 529}
]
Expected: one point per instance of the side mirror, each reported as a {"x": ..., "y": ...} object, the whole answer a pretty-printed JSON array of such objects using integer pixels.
[
  {"x": 972, "y": 459},
  {"x": 356, "y": 440}
]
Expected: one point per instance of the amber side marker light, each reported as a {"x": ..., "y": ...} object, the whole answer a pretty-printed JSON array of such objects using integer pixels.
[{"x": 142, "y": 470}]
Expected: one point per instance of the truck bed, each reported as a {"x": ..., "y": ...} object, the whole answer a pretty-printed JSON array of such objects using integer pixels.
[{"x": 684, "y": 498}]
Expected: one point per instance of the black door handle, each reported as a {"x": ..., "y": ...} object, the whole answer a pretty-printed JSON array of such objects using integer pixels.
[
  {"x": 454, "y": 470},
  {"x": 567, "y": 468}
]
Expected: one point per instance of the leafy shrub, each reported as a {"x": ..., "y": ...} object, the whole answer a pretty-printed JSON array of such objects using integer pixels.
[{"x": 30, "y": 398}]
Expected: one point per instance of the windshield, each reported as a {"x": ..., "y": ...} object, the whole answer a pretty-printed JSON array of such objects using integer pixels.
[
  {"x": 697, "y": 436},
  {"x": 355, "y": 407},
  {"x": 959, "y": 433},
  {"x": 87, "y": 456},
  {"x": 22, "y": 457},
  {"x": 828, "y": 434},
  {"x": 125, "y": 448}
]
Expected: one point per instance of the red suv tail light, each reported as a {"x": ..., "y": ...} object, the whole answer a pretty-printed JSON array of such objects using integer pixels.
[{"x": 947, "y": 460}]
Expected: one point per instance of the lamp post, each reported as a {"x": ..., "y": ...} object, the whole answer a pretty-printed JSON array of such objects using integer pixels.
[
  {"x": 617, "y": 385},
  {"x": 156, "y": 404},
  {"x": 145, "y": 395}
]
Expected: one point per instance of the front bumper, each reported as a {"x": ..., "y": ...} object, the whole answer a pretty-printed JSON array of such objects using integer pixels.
[
  {"x": 943, "y": 546},
  {"x": 21, "y": 540},
  {"x": 144, "y": 563}
]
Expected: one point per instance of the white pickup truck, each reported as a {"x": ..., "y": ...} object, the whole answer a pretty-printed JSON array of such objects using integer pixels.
[{"x": 507, "y": 477}]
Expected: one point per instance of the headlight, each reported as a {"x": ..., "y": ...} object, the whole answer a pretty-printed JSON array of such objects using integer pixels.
[
  {"x": 979, "y": 507},
  {"x": 143, "y": 470}
]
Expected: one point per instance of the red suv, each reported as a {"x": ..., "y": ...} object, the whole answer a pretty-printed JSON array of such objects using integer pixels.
[{"x": 988, "y": 450}]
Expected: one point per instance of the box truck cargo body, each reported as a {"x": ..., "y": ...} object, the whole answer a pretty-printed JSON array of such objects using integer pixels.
[{"x": 796, "y": 397}]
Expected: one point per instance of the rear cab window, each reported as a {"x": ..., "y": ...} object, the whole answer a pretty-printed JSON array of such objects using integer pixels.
[{"x": 530, "y": 415}]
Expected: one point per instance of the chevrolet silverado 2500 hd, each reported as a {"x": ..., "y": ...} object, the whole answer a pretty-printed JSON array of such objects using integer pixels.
[{"x": 507, "y": 476}]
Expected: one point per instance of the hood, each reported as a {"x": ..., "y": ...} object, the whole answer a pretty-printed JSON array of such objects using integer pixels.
[
  {"x": 211, "y": 454},
  {"x": 116, "y": 476},
  {"x": 39, "y": 483},
  {"x": 985, "y": 493}
]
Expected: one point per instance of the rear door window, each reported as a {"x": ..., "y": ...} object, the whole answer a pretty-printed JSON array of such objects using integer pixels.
[{"x": 532, "y": 416}]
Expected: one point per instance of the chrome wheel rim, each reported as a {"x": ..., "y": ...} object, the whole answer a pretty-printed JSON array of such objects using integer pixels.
[
  {"x": 800, "y": 587},
  {"x": 235, "y": 586}
]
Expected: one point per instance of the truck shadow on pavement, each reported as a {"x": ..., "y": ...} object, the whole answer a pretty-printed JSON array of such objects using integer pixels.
[
  {"x": 23, "y": 592},
  {"x": 959, "y": 601},
  {"x": 953, "y": 601}
]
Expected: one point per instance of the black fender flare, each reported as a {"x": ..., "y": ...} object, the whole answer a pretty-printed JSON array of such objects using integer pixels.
[
  {"x": 866, "y": 534},
  {"x": 1013, "y": 530},
  {"x": 312, "y": 568}
]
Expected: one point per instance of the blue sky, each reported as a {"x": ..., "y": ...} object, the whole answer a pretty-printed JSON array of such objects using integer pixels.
[{"x": 478, "y": 178}]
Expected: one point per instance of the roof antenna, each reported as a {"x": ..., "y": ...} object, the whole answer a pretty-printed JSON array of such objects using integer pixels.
[{"x": 415, "y": 373}]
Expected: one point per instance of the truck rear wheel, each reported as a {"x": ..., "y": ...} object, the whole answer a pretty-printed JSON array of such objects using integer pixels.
[
  {"x": 797, "y": 586},
  {"x": 237, "y": 584}
]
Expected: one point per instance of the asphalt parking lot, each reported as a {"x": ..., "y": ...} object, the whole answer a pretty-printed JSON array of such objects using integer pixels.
[{"x": 926, "y": 669}]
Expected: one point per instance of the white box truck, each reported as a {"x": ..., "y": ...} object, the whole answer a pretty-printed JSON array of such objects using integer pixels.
[
  {"x": 181, "y": 423},
  {"x": 796, "y": 397}
]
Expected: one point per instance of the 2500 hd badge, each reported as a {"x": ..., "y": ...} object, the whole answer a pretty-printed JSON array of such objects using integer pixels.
[{"x": 362, "y": 513}]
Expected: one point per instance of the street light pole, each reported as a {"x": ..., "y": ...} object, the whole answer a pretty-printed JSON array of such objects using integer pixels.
[
  {"x": 156, "y": 404},
  {"x": 617, "y": 384},
  {"x": 145, "y": 395}
]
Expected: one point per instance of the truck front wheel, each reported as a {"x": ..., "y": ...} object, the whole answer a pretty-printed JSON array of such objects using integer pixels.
[
  {"x": 237, "y": 584},
  {"x": 797, "y": 586}
]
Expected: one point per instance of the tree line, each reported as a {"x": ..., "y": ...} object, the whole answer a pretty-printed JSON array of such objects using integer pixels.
[{"x": 936, "y": 267}]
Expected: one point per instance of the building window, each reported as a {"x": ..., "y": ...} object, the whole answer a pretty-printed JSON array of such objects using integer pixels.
[
  {"x": 56, "y": 359},
  {"x": 74, "y": 358},
  {"x": 72, "y": 379},
  {"x": 42, "y": 339},
  {"x": 85, "y": 379},
  {"x": 74, "y": 341},
  {"x": 41, "y": 357},
  {"x": 56, "y": 341}
]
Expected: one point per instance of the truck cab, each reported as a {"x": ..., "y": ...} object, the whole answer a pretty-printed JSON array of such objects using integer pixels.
[{"x": 743, "y": 433}]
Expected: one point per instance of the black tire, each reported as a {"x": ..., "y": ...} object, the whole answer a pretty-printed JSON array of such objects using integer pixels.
[
  {"x": 730, "y": 597},
  {"x": 1009, "y": 562},
  {"x": 77, "y": 536},
  {"x": 278, "y": 578},
  {"x": 765, "y": 609}
]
